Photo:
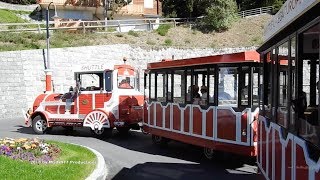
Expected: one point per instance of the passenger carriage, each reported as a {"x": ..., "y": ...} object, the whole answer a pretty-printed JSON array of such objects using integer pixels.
[
  {"x": 288, "y": 128},
  {"x": 210, "y": 102},
  {"x": 101, "y": 100}
]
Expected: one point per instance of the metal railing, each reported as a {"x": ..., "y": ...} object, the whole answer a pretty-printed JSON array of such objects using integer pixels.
[
  {"x": 256, "y": 11},
  {"x": 96, "y": 26}
]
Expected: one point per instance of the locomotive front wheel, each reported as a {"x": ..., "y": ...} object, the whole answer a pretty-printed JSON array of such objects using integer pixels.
[
  {"x": 208, "y": 153},
  {"x": 160, "y": 141},
  {"x": 39, "y": 125},
  {"x": 104, "y": 132}
]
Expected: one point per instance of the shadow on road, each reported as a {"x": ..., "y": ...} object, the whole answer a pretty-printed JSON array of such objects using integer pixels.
[
  {"x": 161, "y": 171},
  {"x": 77, "y": 132},
  {"x": 224, "y": 165}
]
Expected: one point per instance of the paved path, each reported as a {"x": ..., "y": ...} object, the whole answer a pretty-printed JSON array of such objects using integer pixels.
[{"x": 135, "y": 157}]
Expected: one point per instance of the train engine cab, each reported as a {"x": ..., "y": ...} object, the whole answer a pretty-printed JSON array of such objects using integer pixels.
[{"x": 101, "y": 100}]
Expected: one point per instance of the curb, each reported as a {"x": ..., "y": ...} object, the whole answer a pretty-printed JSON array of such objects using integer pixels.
[{"x": 101, "y": 171}]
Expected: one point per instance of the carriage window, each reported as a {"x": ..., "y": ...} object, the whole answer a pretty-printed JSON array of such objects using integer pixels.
[
  {"x": 201, "y": 94},
  {"x": 152, "y": 81},
  {"x": 211, "y": 85},
  {"x": 293, "y": 81},
  {"x": 267, "y": 85},
  {"x": 228, "y": 86},
  {"x": 169, "y": 81},
  {"x": 161, "y": 85},
  {"x": 189, "y": 88},
  {"x": 308, "y": 67},
  {"x": 255, "y": 87},
  {"x": 178, "y": 87},
  {"x": 282, "y": 63},
  {"x": 244, "y": 85}
]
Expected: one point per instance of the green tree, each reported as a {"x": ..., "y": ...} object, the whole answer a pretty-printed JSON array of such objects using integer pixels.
[
  {"x": 277, "y": 6},
  {"x": 220, "y": 15},
  {"x": 116, "y": 5}
]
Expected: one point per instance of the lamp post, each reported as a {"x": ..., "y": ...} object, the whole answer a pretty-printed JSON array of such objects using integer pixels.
[{"x": 48, "y": 71}]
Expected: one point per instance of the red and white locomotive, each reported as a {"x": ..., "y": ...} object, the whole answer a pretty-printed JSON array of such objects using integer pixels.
[{"x": 101, "y": 100}]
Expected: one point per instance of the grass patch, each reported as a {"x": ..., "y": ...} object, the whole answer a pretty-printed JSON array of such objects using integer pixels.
[
  {"x": 168, "y": 42},
  {"x": 133, "y": 33},
  {"x": 21, "y": 41},
  {"x": 111, "y": 29},
  {"x": 163, "y": 29},
  {"x": 7, "y": 16},
  {"x": 74, "y": 155}
]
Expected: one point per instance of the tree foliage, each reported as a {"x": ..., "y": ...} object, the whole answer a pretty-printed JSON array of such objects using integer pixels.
[
  {"x": 220, "y": 15},
  {"x": 116, "y": 5}
]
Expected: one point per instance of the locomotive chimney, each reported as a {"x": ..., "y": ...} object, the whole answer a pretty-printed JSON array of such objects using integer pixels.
[{"x": 48, "y": 73}]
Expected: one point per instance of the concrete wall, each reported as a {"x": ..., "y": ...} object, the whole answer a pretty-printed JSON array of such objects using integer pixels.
[{"x": 22, "y": 72}]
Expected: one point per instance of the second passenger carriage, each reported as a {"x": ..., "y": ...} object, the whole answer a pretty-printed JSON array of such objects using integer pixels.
[{"x": 210, "y": 102}]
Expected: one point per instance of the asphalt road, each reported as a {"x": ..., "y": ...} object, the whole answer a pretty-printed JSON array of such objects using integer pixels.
[{"x": 135, "y": 157}]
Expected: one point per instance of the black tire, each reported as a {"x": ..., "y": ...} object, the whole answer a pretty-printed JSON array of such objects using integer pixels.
[
  {"x": 39, "y": 125},
  {"x": 208, "y": 153},
  {"x": 103, "y": 133},
  {"x": 123, "y": 130},
  {"x": 159, "y": 141}
]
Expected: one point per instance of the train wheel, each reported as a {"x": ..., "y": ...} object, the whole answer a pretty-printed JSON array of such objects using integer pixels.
[
  {"x": 160, "y": 141},
  {"x": 39, "y": 125},
  {"x": 103, "y": 133},
  {"x": 123, "y": 130},
  {"x": 208, "y": 153}
]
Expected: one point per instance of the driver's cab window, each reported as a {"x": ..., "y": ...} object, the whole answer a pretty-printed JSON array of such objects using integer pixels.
[
  {"x": 90, "y": 81},
  {"x": 126, "y": 82}
]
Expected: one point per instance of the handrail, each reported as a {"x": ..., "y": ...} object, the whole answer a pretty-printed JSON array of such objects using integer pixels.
[
  {"x": 256, "y": 11},
  {"x": 143, "y": 24}
]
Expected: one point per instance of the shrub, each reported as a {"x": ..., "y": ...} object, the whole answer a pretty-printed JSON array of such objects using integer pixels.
[
  {"x": 163, "y": 29},
  {"x": 168, "y": 42},
  {"x": 133, "y": 33},
  {"x": 220, "y": 15}
]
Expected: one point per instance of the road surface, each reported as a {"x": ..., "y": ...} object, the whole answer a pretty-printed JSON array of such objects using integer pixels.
[{"x": 135, "y": 157}]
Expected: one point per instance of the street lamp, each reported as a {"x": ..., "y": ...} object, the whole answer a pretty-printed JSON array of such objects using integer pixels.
[{"x": 48, "y": 71}]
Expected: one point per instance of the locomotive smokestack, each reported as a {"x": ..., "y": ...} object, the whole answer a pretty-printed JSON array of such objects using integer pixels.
[{"x": 48, "y": 73}]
